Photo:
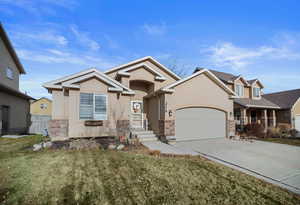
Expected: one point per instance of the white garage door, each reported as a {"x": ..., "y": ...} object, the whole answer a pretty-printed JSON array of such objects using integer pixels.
[
  {"x": 199, "y": 123},
  {"x": 297, "y": 122}
]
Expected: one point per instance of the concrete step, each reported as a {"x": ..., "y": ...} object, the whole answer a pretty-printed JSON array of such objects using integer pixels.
[
  {"x": 144, "y": 132},
  {"x": 147, "y": 139}
]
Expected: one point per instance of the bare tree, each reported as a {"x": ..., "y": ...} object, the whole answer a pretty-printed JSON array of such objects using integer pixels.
[{"x": 180, "y": 70}]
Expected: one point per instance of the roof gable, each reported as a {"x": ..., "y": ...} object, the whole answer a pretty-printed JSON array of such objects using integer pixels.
[
  {"x": 126, "y": 68},
  {"x": 170, "y": 88},
  {"x": 73, "y": 81},
  {"x": 11, "y": 50},
  {"x": 256, "y": 81}
]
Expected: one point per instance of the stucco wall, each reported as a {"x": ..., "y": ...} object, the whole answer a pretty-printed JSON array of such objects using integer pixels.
[
  {"x": 67, "y": 107},
  {"x": 198, "y": 91},
  {"x": 19, "y": 117},
  {"x": 7, "y": 61},
  {"x": 35, "y": 107}
]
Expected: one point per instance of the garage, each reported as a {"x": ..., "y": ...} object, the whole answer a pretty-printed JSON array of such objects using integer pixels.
[
  {"x": 200, "y": 123},
  {"x": 297, "y": 122}
]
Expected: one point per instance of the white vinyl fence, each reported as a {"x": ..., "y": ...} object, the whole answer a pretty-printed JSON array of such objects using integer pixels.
[{"x": 39, "y": 124}]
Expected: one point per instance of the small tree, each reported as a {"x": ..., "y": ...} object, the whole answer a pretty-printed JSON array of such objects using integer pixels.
[{"x": 181, "y": 71}]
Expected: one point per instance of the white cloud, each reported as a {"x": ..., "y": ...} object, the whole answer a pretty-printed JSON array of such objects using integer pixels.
[
  {"x": 55, "y": 56},
  {"x": 227, "y": 54},
  {"x": 84, "y": 39},
  {"x": 39, "y": 7},
  {"x": 152, "y": 29},
  {"x": 42, "y": 36}
]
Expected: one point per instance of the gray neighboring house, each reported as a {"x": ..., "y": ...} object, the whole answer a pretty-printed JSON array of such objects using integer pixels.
[
  {"x": 289, "y": 103},
  {"x": 14, "y": 105}
]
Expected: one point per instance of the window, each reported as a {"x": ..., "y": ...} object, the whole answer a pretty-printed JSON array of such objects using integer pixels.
[
  {"x": 239, "y": 89},
  {"x": 43, "y": 106},
  {"x": 9, "y": 73},
  {"x": 256, "y": 92},
  {"x": 93, "y": 106}
]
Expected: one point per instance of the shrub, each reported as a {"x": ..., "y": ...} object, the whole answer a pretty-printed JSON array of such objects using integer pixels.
[
  {"x": 294, "y": 132},
  {"x": 273, "y": 132},
  {"x": 256, "y": 130},
  {"x": 284, "y": 131}
]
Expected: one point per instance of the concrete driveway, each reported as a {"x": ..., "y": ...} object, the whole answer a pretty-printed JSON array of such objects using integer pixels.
[{"x": 276, "y": 163}]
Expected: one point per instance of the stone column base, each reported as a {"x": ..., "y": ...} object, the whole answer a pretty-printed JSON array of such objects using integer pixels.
[
  {"x": 166, "y": 128},
  {"x": 58, "y": 129},
  {"x": 231, "y": 128}
]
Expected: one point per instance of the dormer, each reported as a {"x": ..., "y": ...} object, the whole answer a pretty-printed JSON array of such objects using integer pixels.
[
  {"x": 256, "y": 89},
  {"x": 240, "y": 85}
]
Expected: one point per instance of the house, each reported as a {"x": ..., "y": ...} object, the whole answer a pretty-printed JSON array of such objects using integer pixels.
[
  {"x": 250, "y": 106},
  {"x": 142, "y": 97},
  {"x": 14, "y": 105},
  {"x": 289, "y": 103},
  {"x": 40, "y": 111},
  {"x": 42, "y": 106}
]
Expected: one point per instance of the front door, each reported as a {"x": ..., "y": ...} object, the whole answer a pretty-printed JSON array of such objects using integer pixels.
[
  {"x": 136, "y": 114},
  {"x": 5, "y": 119}
]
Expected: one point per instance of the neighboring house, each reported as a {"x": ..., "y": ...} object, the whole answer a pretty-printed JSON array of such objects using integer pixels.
[
  {"x": 289, "y": 103},
  {"x": 41, "y": 111},
  {"x": 42, "y": 106},
  {"x": 140, "y": 95},
  {"x": 250, "y": 106},
  {"x": 14, "y": 105}
]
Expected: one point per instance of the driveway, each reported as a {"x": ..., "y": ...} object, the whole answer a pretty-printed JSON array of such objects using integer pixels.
[{"x": 276, "y": 163}]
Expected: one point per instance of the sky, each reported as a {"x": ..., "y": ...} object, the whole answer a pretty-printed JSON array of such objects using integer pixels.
[{"x": 255, "y": 39}]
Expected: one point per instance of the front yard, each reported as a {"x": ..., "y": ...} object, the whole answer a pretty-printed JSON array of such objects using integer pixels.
[{"x": 111, "y": 177}]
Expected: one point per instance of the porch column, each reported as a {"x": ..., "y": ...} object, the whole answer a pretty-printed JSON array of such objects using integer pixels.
[
  {"x": 274, "y": 118},
  {"x": 265, "y": 119},
  {"x": 243, "y": 116}
]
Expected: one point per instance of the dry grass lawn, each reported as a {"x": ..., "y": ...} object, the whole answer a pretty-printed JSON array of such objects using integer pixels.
[
  {"x": 111, "y": 177},
  {"x": 289, "y": 141}
]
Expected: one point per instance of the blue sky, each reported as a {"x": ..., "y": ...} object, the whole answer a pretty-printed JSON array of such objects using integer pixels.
[{"x": 53, "y": 38}]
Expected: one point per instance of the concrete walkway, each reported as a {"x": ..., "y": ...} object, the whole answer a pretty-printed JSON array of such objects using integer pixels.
[{"x": 14, "y": 136}]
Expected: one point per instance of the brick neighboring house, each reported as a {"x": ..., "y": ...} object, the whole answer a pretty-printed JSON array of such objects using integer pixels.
[
  {"x": 289, "y": 103},
  {"x": 250, "y": 106},
  {"x": 14, "y": 105}
]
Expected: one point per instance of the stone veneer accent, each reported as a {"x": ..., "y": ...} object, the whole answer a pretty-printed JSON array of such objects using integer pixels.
[
  {"x": 231, "y": 127},
  {"x": 123, "y": 127},
  {"x": 58, "y": 129},
  {"x": 167, "y": 128}
]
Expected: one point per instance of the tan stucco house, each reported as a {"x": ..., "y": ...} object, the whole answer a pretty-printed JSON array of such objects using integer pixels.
[
  {"x": 142, "y": 95},
  {"x": 14, "y": 105},
  {"x": 250, "y": 106}
]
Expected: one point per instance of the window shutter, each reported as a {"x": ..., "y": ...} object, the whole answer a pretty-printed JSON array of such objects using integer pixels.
[
  {"x": 100, "y": 112},
  {"x": 86, "y": 106}
]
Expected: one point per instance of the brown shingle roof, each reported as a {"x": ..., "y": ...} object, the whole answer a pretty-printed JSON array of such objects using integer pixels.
[
  {"x": 225, "y": 77},
  {"x": 285, "y": 99},
  {"x": 248, "y": 102},
  {"x": 14, "y": 92}
]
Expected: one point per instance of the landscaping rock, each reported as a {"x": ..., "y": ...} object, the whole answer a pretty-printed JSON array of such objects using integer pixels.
[
  {"x": 111, "y": 146},
  {"x": 37, "y": 147},
  {"x": 120, "y": 147},
  {"x": 47, "y": 144}
]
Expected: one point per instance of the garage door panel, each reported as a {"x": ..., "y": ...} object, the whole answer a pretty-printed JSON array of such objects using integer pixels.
[
  {"x": 200, "y": 123},
  {"x": 297, "y": 122}
]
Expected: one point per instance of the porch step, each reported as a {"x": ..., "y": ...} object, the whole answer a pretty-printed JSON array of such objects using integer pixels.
[{"x": 144, "y": 135}]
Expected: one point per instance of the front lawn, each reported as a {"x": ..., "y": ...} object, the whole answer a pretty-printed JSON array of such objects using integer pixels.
[
  {"x": 289, "y": 141},
  {"x": 111, "y": 177}
]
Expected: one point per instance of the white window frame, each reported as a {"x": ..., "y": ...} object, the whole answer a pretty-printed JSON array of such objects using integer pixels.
[
  {"x": 259, "y": 92},
  {"x": 237, "y": 90},
  {"x": 94, "y": 107},
  {"x": 9, "y": 73}
]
